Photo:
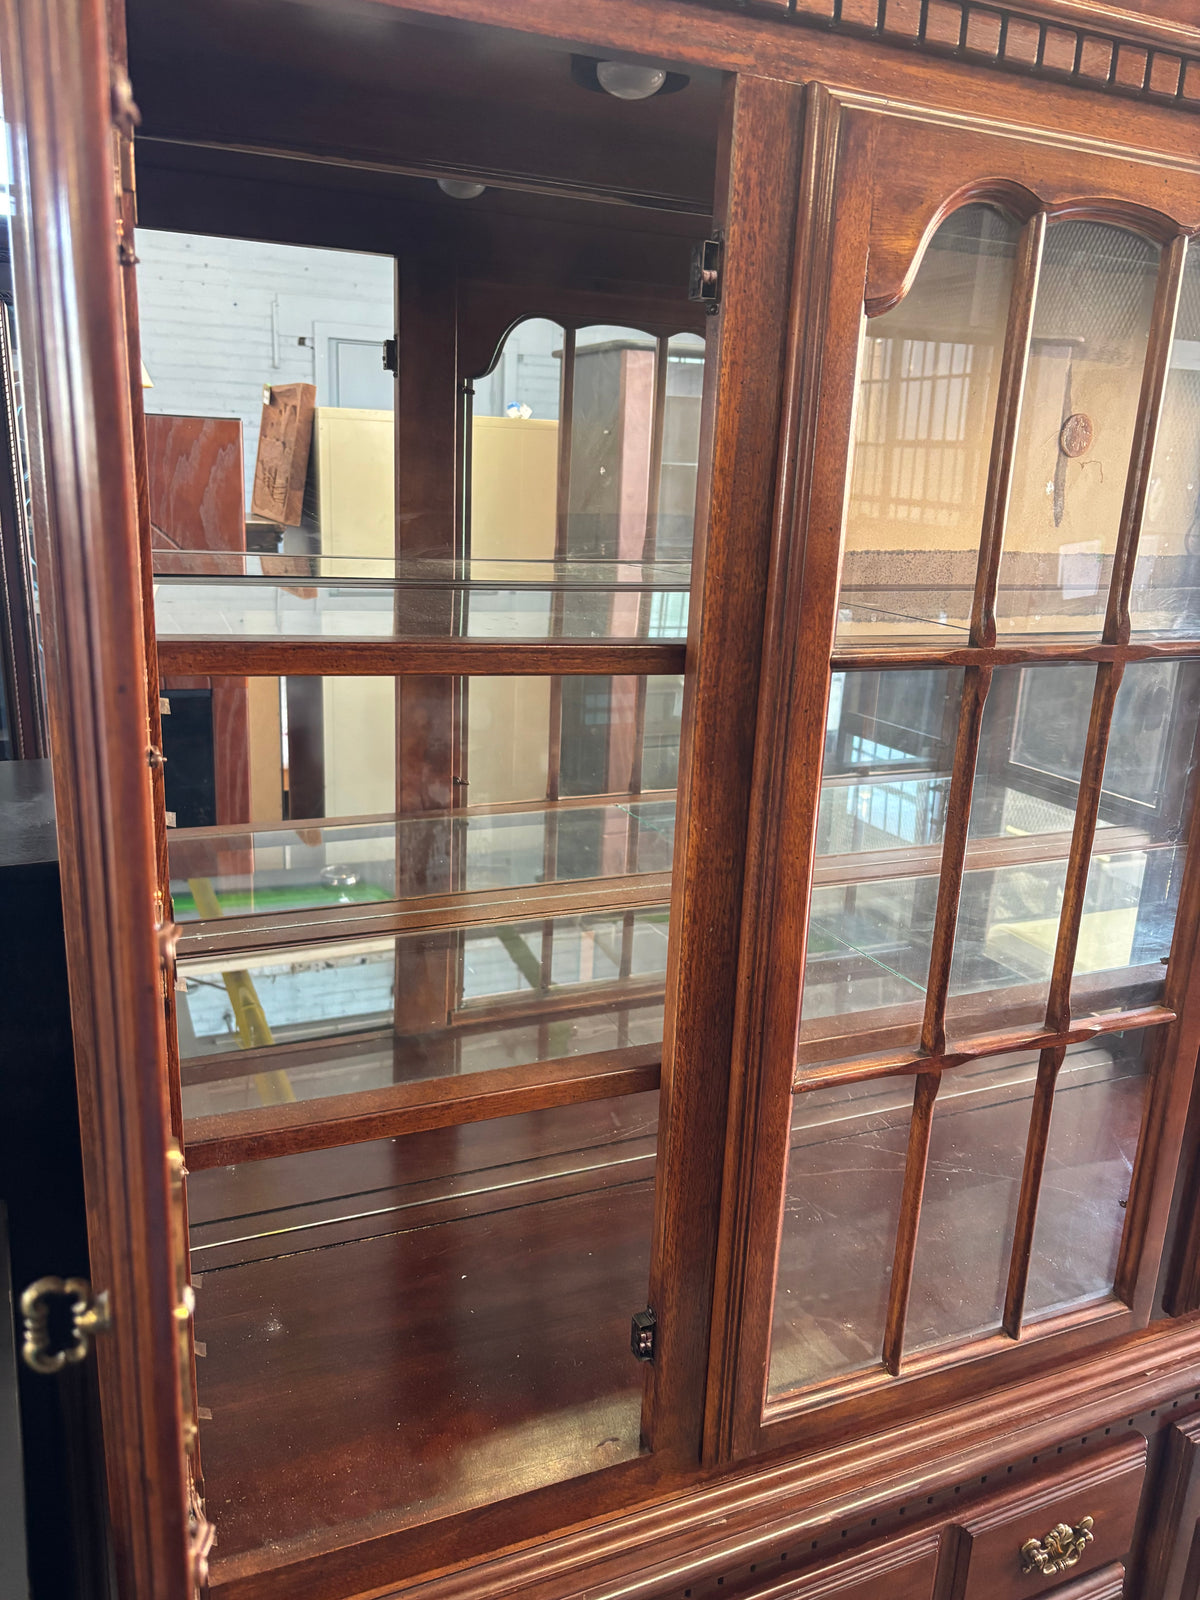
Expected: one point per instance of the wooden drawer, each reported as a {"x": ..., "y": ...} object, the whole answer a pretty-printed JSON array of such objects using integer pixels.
[
  {"x": 983, "y": 1549},
  {"x": 903, "y": 1569}
]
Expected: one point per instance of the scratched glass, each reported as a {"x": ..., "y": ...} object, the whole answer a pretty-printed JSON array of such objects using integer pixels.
[
  {"x": 1136, "y": 868},
  {"x": 1091, "y": 323},
  {"x": 1094, "y": 1129},
  {"x": 969, "y": 1207},
  {"x": 927, "y": 389},
  {"x": 889, "y": 751},
  {"x": 841, "y": 1206},
  {"x": 1165, "y": 594}
]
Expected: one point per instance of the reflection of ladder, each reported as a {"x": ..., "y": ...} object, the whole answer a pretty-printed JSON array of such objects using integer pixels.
[{"x": 274, "y": 1088}]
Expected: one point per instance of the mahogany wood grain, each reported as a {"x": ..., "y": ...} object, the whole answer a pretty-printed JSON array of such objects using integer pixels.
[
  {"x": 661, "y": 1542},
  {"x": 976, "y": 683},
  {"x": 281, "y": 657},
  {"x": 1014, "y": 363},
  {"x": 759, "y": 180},
  {"x": 825, "y": 315},
  {"x": 753, "y": 41},
  {"x": 57, "y": 95},
  {"x": 903, "y": 1569},
  {"x": 915, "y": 1164},
  {"x": 1037, "y": 176},
  {"x": 986, "y": 1560},
  {"x": 226, "y": 1139},
  {"x": 1168, "y": 1567},
  {"x": 885, "y": 1065},
  {"x": 420, "y": 913},
  {"x": 1091, "y": 785},
  {"x": 1049, "y": 1064},
  {"x": 1145, "y": 432},
  {"x": 871, "y": 658}
]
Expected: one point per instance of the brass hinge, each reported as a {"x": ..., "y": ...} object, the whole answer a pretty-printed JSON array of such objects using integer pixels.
[
  {"x": 88, "y": 1314},
  {"x": 125, "y": 118}
]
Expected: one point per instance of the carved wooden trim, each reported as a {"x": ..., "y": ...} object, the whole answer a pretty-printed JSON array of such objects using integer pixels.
[{"x": 1060, "y": 44}]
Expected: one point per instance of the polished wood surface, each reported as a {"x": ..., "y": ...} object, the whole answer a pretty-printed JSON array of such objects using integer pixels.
[
  {"x": 58, "y": 94},
  {"x": 465, "y": 1340},
  {"x": 269, "y": 122}
]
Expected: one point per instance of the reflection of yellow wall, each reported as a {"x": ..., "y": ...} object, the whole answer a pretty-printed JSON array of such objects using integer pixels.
[
  {"x": 266, "y": 750},
  {"x": 360, "y": 746},
  {"x": 514, "y": 478},
  {"x": 355, "y": 455},
  {"x": 514, "y": 474}
]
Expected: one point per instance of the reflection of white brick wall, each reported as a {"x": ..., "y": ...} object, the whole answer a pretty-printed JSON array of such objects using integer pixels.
[{"x": 222, "y": 317}]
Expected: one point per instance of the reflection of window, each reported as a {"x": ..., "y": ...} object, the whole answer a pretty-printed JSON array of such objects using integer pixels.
[{"x": 915, "y": 452}]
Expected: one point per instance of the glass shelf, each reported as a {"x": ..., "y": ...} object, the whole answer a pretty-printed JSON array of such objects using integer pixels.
[
  {"x": 239, "y": 594},
  {"x": 313, "y": 866}
]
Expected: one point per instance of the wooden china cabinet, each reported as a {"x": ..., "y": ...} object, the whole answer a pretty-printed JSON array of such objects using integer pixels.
[{"x": 667, "y": 1069}]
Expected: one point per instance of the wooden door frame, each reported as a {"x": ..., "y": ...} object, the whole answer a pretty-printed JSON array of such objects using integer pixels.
[
  {"x": 872, "y": 209},
  {"x": 59, "y": 100}
]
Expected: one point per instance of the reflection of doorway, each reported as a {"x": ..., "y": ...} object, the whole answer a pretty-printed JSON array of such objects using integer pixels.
[{"x": 349, "y": 366}]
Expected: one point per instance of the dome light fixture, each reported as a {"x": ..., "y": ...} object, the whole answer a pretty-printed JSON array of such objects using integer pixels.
[
  {"x": 461, "y": 188},
  {"x": 627, "y": 80}
]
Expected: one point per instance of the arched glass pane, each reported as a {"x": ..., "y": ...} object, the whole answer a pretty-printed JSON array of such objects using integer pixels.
[
  {"x": 1091, "y": 323},
  {"x": 926, "y": 406},
  {"x": 1165, "y": 597}
]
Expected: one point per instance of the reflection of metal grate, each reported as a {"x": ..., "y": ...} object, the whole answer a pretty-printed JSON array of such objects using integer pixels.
[{"x": 1096, "y": 290}]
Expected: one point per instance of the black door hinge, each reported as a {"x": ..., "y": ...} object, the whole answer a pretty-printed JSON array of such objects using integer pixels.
[
  {"x": 704, "y": 284},
  {"x": 642, "y": 1334},
  {"x": 389, "y": 355}
]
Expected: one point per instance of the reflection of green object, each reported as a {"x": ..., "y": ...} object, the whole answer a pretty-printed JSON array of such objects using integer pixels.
[{"x": 289, "y": 897}]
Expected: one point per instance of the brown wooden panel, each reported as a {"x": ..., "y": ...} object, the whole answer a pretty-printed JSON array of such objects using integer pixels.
[
  {"x": 194, "y": 470},
  {"x": 219, "y": 1141},
  {"x": 1169, "y": 1565},
  {"x": 978, "y": 161},
  {"x": 364, "y": 658},
  {"x": 61, "y": 99},
  {"x": 900, "y": 1570},
  {"x": 281, "y": 464},
  {"x": 985, "y": 1560}
]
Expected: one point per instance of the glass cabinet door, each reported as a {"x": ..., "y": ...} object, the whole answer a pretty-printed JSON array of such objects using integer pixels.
[
  {"x": 421, "y": 656},
  {"x": 978, "y": 1009}
]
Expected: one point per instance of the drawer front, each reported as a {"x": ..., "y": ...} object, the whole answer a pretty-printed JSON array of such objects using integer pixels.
[
  {"x": 1076, "y": 1523},
  {"x": 903, "y": 1569}
]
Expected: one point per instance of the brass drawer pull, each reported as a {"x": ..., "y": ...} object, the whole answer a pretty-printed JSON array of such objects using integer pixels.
[{"x": 1060, "y": 1549}]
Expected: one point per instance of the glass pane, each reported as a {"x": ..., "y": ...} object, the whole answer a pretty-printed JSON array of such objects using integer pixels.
[
  {"x": 968, "y": 1213},
  {"x": 841, "y": 1207},
  {"x": 1023, "y": 803},
  {"x": 323, "y": 596},
  {"x": 889, "y": 750},
  {"x": 245, "y": 755},
  {"x": 340, "y": 1018},
  {"x": 1165, "y": 597},
  {"x": 291, "y": 869},
  {"x": 1090, "y": 327},
  {"x": 927, "y": 401},
  {"x": 1136, "y": 869},
  {"x": 451, "y": 1306},
  {"x": 1094, "y": 1128}
]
